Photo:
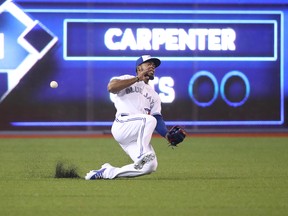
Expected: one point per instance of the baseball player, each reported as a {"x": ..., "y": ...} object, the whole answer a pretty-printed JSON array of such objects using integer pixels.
[{"x": 138, "y": 115}]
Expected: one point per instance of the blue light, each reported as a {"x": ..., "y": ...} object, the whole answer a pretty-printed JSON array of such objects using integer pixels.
[
  {"x": 169, "y": 123},
  {"x": 222, "y": 88},
  {"x": 191, "y": 84},
  {"x": 278, "y": 56}
]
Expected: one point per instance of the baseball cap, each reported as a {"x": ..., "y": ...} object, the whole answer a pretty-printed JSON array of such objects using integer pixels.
[{"x": 146, "y": 58}]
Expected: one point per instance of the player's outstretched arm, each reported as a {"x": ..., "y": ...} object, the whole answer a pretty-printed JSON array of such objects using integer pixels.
[{"x": 116, "y": 85}]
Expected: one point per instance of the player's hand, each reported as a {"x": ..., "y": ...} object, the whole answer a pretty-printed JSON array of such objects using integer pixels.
[{"x": 147, "y": 74}]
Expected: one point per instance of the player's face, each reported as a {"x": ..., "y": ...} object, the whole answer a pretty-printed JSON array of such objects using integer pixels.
[{"x": 149, "y": 67}]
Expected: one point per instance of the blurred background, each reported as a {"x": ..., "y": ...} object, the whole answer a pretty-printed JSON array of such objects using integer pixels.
[{"x": 223, "y": 62}]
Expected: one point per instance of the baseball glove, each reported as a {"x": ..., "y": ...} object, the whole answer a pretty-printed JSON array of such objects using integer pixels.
[{"x": 176, "y": 135}]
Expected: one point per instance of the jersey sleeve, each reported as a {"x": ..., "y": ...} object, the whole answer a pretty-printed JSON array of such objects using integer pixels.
[
  {"x": 156, "y": 108},
  {"x": 161, "y": 127},
  {"x": 123, "y": 77}
]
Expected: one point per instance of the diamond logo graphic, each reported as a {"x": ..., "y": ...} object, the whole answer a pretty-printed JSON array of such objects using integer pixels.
[{"x": 23, "y": 42}]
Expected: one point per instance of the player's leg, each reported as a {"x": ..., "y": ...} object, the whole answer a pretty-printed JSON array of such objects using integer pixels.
[
  {"x": 126, "y": 171},
  {"x": 134, "y": 134},
  {"x": 133, "y": 129},
  {"x": 107, "y": 171}
]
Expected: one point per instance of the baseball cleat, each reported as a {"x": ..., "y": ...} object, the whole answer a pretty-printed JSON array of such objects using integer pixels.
[
  {"x": 145, "y": 158},
  {"x": 106, "y": 165},
  {"x": 95, "y": 174}
]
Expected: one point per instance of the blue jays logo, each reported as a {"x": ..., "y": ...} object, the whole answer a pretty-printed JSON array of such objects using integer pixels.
[{"x": 23, "y": 42}]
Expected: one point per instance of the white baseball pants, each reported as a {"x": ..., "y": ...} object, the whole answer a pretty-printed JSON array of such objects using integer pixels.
[{"x": 133, "y": 133}]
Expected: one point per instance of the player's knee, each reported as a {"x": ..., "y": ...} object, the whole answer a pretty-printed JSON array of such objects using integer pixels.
[
  {"x": 152, "y": 121},
  {"x": 151, "y": 166}
]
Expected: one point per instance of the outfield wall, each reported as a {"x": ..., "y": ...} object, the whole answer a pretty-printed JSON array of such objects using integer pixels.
[{"x": 223, "y": 62}]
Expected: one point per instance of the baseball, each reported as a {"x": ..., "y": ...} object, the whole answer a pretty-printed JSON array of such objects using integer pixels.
[{"x": 53, "y": 84}]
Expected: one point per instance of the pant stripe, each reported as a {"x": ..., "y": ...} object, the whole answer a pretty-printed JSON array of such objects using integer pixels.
[{"x": 141, "y": 131}]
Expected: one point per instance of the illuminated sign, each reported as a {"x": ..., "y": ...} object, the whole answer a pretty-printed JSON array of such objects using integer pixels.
[
  {"x": 211, "y": 40},
  {"x": 1, "y": 45},
  {"x": 171, "y": 38},
  {"x": 219, "y": 67},
  {"x": 21, "y": 46},
  {"x": 225, "y": 80}
]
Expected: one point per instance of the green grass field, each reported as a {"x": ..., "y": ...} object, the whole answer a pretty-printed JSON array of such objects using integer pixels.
[{"x": 222, "y": 176}]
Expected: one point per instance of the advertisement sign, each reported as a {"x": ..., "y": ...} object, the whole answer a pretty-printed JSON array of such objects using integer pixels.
[{"x": 219, "y": 67}]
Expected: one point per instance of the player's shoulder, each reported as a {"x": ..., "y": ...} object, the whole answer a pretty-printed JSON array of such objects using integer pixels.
[{"x": 122, "y": 77}]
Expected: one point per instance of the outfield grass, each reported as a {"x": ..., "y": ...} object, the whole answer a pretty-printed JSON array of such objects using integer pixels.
[{"x": 219, "y": 176}]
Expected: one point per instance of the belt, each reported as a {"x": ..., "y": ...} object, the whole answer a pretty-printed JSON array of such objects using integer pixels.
[{"x": 123, "y": 114}]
